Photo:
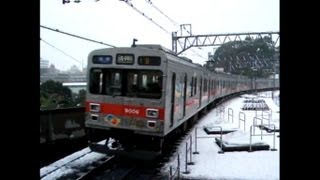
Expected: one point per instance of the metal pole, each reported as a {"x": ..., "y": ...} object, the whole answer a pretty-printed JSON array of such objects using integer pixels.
[
  {"x": 195, "y": 142},
  {"x": 186, "y": 166},
  {"x": 186, "y": 154},
  {"x": 178, "y": 166},
  {"x": 254, "y": 122},
  {"x": 190, "y": 149},
  {"x": 221, "y": 150},
  {"x": 274, "y": 138},
  {"x": 274, "y": 84},
  {"x": 250, "y": 149},
  {"x": 261, "y": 127}
]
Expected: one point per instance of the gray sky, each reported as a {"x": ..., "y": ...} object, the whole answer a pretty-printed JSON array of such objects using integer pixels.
[{"x": 114, "y": 22}]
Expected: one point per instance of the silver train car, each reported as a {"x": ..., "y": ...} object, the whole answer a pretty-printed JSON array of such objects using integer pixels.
[{"x": 138, "y": 96}]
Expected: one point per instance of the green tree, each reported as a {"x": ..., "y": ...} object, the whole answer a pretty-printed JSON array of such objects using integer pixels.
[
  {"x": 53, "y": 94},
  {"x": 246, "y": 53},
  {"x": 80, "y": 98}
]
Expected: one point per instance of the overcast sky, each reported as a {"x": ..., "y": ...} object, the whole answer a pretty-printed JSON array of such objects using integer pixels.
[{"x": 114, "y": 22}]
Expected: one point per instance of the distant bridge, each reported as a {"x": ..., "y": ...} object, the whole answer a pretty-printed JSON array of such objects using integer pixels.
[{"x": 75, "y": 86}]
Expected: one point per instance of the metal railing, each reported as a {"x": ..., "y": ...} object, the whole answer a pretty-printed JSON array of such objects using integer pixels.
[
  {"x": 252, "y": 134},
  {"x": 230, "y": 114},
  {"x": 242, "y": 119},
  {"x": 175, "y": 172},
  {"x": 220, "y": 111},
  {"x": 199, "y": 137}
]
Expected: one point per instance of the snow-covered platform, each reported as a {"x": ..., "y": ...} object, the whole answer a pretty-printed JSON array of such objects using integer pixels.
[
  {"x": 226, "y": 147},
  {"x": 215, "y": 130},
  {"x": 269, "y": 128}
]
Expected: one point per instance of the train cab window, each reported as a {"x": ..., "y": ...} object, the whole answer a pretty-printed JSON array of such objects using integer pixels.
[
  {"x": 126, "y": 82},
  {"x": 96, "y": 81},
  {"x": 114, "y": 84}
]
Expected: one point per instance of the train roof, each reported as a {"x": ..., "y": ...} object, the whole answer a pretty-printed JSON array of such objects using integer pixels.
[
  {"x": 183, "y": 58},
  {"x": 155, "y": 46}
]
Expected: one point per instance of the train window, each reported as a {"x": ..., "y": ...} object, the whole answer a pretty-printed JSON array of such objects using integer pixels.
[
  {"x": 205, "y": 86},
  {"x": 126, "y": 82},
  {"x": 96, "y": 81},
  {"x": 195, "y": 86},
  {"x": 113, "y": 82},
  {"x": 190, "y": 89},
  {"x": 145, "y": 84},
  {"x": 149, "y": 60}
]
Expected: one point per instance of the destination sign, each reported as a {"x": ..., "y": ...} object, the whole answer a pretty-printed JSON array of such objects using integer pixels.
[
  {"x": 102, "y": 59},
  {"x": 149, "y": 60},
  {"x": 125, "y": 59}
]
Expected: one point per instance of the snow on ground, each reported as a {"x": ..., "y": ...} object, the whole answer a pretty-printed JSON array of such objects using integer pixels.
[
  {"x": 209, "y": 164},
  {"x": 67, "y": 165}
]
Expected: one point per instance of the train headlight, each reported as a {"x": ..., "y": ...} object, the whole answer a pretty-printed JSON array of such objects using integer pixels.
[
  {"x": 94, "y": 107},
  {"x": 151, "y": 124},
  {"x": 94, "y": 117},
  {"x": 152, "y": 113}
]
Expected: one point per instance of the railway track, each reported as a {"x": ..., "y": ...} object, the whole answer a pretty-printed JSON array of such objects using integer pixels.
[{"x": 76, "y": 167}]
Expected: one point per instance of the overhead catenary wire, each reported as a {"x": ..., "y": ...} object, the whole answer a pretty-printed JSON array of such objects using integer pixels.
[
  {"x": 172, "y": 21},
  {"x": 61, "y": 51},
  {"x": 80, "y": 37},
  {"x": 143, "y": 14}
]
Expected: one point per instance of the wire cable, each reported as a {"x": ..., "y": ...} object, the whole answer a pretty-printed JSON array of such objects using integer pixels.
[
  {"x": 172, "y": 21},
  {"x": 61, "y": 51},
  {"x": 143, "y": 14},
  {"x": 80, "y": 37}
]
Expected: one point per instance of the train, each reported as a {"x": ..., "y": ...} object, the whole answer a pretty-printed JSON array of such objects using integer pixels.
[{"x": 141, "y": 95}]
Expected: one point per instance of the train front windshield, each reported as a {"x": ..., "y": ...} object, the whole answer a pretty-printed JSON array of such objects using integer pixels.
[{"x": 126, "y": 82}]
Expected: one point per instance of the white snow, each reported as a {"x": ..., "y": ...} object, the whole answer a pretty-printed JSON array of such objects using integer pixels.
[
  {"x": 67, "y": 165},
  {"x": 209, "y": 164}
]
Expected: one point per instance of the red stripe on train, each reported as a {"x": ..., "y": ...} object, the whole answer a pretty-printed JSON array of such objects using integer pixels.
[{"x": 125, "y": 110}]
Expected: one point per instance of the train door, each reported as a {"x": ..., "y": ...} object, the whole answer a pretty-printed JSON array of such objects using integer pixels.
[
  {"x": 185, "y": 94},
  {"x": 216, "y": 87},
  {"x": 200, "y": 90},
  {"x": 221, "y": 87},
  {"x": 173, "y": 90},
  {"x": 179, "y": 101}
]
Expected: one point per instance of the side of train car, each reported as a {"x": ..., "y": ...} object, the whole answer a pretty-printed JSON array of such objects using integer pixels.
[{"x": 141, "y": 95}]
